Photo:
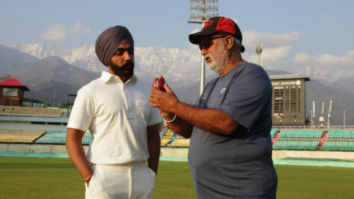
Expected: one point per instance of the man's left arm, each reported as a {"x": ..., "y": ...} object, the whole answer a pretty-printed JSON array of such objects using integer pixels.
[{"x": 153, "y": 139}]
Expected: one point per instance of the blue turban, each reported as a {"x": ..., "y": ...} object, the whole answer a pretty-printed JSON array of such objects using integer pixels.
[{"x": 108, "y": 42}]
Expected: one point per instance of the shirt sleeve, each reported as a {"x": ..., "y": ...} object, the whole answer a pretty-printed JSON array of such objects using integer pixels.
[
  {"x": 248, "y": 98},
  {"x": 82, "y": 112},
  {"x": 154, "y": 117}
]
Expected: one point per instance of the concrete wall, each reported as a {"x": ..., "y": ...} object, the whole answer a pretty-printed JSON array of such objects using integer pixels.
[
  {"x": 174, "y": 152},
  {"x": 33, "y": 148},
  {"x": 182, "y": 152},
  {"x": 292, "y": 154},
  {"x": 278, "y": 154}
]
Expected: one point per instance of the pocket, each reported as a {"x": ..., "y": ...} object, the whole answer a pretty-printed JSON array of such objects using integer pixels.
[
  {"x": 151, "y": 173},
  {"x": 95, "y": 189},
  {"x": 88, "y": 191},
  {"x": 92, "y": 180}
]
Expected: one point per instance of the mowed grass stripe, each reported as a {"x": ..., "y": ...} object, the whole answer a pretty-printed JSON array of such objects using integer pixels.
[{"x": 46, "y": 178}]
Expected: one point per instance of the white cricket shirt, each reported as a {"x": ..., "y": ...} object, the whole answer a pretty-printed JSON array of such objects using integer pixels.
[{"x": 117, "y": 115}]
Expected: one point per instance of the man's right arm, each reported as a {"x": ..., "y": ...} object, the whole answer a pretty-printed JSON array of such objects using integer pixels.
[
  {"x": 77, "y": 153},
  {"x": 179, "y": 125},
  {"x": 209, "y": 119}
]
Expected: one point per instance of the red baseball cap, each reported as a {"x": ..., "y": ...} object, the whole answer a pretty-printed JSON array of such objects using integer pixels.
[{"x": 216, "y": 25}]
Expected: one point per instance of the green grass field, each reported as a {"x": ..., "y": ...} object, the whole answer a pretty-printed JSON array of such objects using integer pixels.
[{"x": 47, "y": 178}]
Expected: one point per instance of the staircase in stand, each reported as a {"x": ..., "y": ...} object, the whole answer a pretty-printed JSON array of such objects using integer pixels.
[{"x": 323, "y": 140}]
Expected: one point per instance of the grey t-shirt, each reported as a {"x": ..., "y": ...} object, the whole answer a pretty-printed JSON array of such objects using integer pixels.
[{"x": 236, "y": 165}]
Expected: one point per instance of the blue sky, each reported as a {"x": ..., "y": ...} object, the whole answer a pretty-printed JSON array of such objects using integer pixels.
[
  {"x": 325, "y": 25},
  {"x": 292, "y": 31}
]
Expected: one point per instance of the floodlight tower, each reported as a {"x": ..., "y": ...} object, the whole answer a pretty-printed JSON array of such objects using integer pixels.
[
  {"x": 321, "y": 118},
  {"x": 259, "y": 50},
  {"x": 329, "y": 114},
  {"x": 201, "y": 11},
  {"x": 313, "y": 114},
  {"x": 344, "y": 118}
]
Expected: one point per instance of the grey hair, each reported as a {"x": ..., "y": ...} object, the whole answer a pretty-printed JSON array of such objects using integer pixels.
[{"x": 237, "y": 44}]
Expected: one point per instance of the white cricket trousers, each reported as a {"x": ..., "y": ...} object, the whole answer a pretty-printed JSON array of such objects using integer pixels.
[{"x": 121, "y": 181}]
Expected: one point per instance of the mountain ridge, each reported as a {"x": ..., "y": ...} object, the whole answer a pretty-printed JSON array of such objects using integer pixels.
[{"x": 52, "y": 78}]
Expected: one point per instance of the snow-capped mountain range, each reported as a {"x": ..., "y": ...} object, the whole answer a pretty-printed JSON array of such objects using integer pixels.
[
  {"x": 181, "y": 68},
  {"x": 175, "y": 65},
  {"x": 49, "y": 72}
]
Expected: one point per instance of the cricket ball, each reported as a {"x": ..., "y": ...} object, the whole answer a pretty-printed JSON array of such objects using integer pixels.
[{"x": 159, "y": 83}]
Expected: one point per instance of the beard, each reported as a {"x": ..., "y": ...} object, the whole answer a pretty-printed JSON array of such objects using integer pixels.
[
  {"x": 127, "y": 70},
  {"x": 218, "y": 65}
]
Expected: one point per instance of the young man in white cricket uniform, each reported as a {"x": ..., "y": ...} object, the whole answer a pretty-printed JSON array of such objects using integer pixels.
[{"x": 124, "y": 126}]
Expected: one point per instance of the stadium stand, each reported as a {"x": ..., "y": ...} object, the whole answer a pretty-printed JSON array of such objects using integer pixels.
[
  {"x": 272, "y": 132},
  {"x": 180, "y": 142},
  {"x": 59, "y": 137},
  {"x": 38, "y": 136},
  {"x": 302, "y": 133},
  {"x": 164, "y": 141},
  {"x": 30, "y": 111},
  {"x": 167, "y": 137},
  {"x": 53, "y": 131},
  {"x": 339, "y": 140},
  {"x": 168, "y": 134},
  {"x": 287, "y": 139},
  {"x": 298, "y": 139},
  {"x": 20, "y": 135}
]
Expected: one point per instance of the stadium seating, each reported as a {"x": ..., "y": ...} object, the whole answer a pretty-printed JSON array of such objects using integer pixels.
[
  {"x": 302, "y": 133},
  {"x": 20, "y": 135},
  {"x": 296, "y": 145},
  {"x": 310, "y": 139},
  {"x": 334, "y": 133},
  {"x": 165, "y": 142},
  {"x": 181, "y": 142},
  {"x": 167, "y": 137},
  {"x": 170, "y": 139},
  {"x": 336, "y": 139},
  {"x": 339, "y": 140},
  {"x": 338, "y": 145},
  {"x": 167, "y": 134},
  {"x": 298, "y": 139},
  {"x": 59, "y": 137}
]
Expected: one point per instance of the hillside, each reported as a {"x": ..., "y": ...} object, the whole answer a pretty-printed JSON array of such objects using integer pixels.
[
  {"x": 51, "y": 79},
  {"x": 318, "y": 92},
  {"x": 12, "y": 60}
]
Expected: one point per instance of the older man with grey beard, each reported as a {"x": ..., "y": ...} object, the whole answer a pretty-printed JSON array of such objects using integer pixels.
[{"x": 230, "y": 154}]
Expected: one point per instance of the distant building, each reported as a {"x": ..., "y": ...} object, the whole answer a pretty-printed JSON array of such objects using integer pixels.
[
  {"x": 12, "y": 92},
  {"x": 289, "y": 100}
]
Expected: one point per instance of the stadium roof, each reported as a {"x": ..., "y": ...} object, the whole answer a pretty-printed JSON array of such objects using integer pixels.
[
  {"x": 289, "y": 76},
  {"x": 32, "y": 119},
  {"x": 13, "y": 83}
]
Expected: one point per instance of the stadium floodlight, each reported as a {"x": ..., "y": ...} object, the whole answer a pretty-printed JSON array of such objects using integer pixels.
[
  {"x": 201, "y": 11},
  {"x": 313, "y": 115},
  {"x": 343, "y": 118},
  {"x": 329, "y": 115}
]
